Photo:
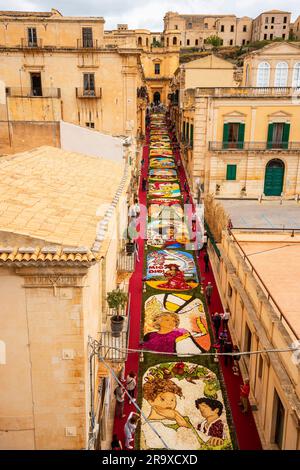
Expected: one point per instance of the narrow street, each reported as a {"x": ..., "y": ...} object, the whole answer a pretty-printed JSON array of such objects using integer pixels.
[{"x": 190, "y": 401}]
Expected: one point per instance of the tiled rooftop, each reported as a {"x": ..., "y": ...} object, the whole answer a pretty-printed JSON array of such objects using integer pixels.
[{"x": 56, "y": 196}]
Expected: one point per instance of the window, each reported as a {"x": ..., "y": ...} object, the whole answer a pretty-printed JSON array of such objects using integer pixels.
[
  {"x": 285, "y": 20},
  {"x": 32, "y": 37},
  {"x": 174, "y": 41},
  {"x": 90, "y": 124},
  {"x": 281, "y": 74},
  {"x": 263, "y": 74},
  {"x": 187, "y": 131},
  {"x": 183, "y": 131},
  {"x": 188, "y": 42},
  {"x": 267, "y": 19},
  {"x": 89, "y": 84},
  {"x": 221, "y": 42},
  {"x": 284, "y": 27},
  {"x": 231, "y": 42},
  {"x": 233, "y": 135},
  {"x": 140, "y": 41},
  {"x": 296, "y": 75},
  {"x": 36, "y": 84},
  {"x": 266, "y": 27},
  {"x": 176, "y": 26},
  {"x": 205, "y": 25},
  {"x": 196, "y": 42},
  {"x": 222, "y": 28},
  {"x": 192, "y": 135},
  {"x": 167, "y": 42},
  {"x": 283, "y": 36},
  {"x": 231, "y": 176},
  {"x": 87, "y": 37},
  {"x": 190, "y": 25},
  {"x": 278, "y": 135},
  {"x": 232, "y": 28},
  {"x": 265, "y": 36},
  {"x": 247, "y": 343},
  {"x": 244, "y": 42},
  {"x": 156, "y": 69},
  {"x": 260, "y": 367},
  {"x": 244, "y": 29},
  {"x": 273, "y": 19},
  {"x": 279, "y": 417},
  {"x": 272, "y": 27}
]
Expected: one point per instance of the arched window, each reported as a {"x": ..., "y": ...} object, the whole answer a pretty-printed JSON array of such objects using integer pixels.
[
  {"x": 281, "y": 74},
  {"x": 2, "y": 352},
  {"x": 263, "y": 74},
  {"x": 140, "y": 41},
  {"x": 296, "y": 75},
  {"x": 174, "y": 41}
]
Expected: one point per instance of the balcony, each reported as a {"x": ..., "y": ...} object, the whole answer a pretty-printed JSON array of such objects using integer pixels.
[
  {"x": 254, "y": 146},
  {"x": 114, "y": 349},
  {"x": 242, "y": 92},
  {"x": 126, "y": 262},
  {"x": 36, "y": 44},
  {"x": 18, "y": 92},
  {"x": 95, "y": 93},
  {"x": 87, "y": 43}
]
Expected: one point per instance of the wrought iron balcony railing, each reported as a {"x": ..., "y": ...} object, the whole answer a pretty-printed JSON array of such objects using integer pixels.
[
  {"x": 87, "y": 43},
  {"x": 89, "y": 93},
  {"x": 18, "y": 92},
  {"x": 126, "y": 262},
  {"x": 114, "y": 349},
  {"x": 27, "y": 44},
  {"x": 254, "y": 146}
]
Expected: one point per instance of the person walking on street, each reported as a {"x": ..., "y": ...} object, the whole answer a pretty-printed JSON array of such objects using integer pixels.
[
  {"x": 244, "y": 394},
  {"x": 144, "y": 184},
  {"x": 129, "y": 428},
  {"x": 131, "y": 385},
  {"x": 236, "y": 358},
  {"x": 206, "y": 261},
  {"x": 222, "y": 338},
  {"x": 228, "y": 349},
  {"x": 208, "y": 292},
  {"x": 225, "y": 319},
  {"x": 116, "y": 443},
  {"x": 120, "y": 399},
  {"x": 217, "y": 323}
]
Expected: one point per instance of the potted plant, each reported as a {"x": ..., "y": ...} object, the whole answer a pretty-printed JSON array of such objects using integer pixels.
[{"x": 116, "y": 300}]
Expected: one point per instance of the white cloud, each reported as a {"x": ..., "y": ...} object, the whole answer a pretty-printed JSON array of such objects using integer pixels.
[{"x": 149, "y": 14}]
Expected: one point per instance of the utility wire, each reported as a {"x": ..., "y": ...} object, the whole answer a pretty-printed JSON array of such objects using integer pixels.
[{"x": 130, "y": 398}]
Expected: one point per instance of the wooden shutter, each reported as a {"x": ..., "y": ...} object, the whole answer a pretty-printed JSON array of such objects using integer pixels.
[
  {"x": 241, "y": 135},
  {"x": 225, "y": 136},
  {"x": 231, "y": 172},
  {"x": 270, "y": 136},
  {"x": 286, "y": 135}
]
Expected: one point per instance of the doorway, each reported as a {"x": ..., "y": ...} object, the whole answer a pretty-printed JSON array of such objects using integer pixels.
[
  {"x": 36, "y": 84},
  {"x": 156, "y": 98},
  {"x": 274, "y": 178}
]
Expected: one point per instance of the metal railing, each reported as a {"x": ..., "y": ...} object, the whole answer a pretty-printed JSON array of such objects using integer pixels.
[
  {"x": 25, "y": 43},
  {"x": 115, "y": 349},
  {"x": 247, "y": 91},
  {"x": 18, "y": 92},
  {"x": 277, "y": 309},
  {"x": 90, "y": 93},
  {"x": 254, "y": 146},
  {"x": 87, "y": 43},
  {"x": 126, "y": 262}
]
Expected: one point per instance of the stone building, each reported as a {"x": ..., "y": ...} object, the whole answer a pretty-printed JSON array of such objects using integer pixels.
[
  {"x": 62, "y": 217},
  {"x": 244, "y": 141},
  {"x": 257, "y": 275},
  {"x": 59, "y": 68},
  {"x": 195, "y": 29},
  {"x": 159, "y": 56},
  {"x": 270, "y": 25},
  {"x": 295, "y": 29}
]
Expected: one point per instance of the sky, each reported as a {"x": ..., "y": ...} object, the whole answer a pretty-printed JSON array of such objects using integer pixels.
[{"x": 149, "y": 14}]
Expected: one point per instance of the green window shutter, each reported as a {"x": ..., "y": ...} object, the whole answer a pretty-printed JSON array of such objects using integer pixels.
[
  {"x": 231, "y": 172},
  {"x": 286, "y": 135},
  {"x": 270, "y": 136},
  {"x": 241, "y": 136},
  {"x": 192, "y": 135},
  {"x": 225, "y": 136}
]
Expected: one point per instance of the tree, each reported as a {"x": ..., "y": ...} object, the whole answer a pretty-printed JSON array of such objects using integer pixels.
[
  {"x": 214, "y": 41},
  {"x": 116, "y": 299}
]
